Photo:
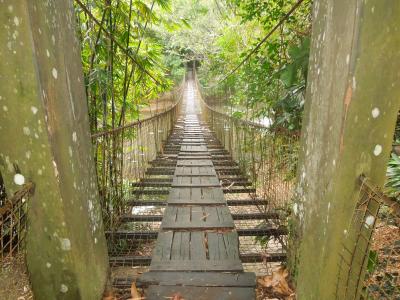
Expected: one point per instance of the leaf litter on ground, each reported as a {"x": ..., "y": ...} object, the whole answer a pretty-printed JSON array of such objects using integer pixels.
[{"x": 277, "y": 284}]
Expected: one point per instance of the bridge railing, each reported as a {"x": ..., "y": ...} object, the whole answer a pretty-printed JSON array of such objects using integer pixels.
[
  {"x": 370, "y": 257},
  {"x": 13, "y": 221},
  {"x": 122, "y": 156},
  {"x": 268, "y": 158}
]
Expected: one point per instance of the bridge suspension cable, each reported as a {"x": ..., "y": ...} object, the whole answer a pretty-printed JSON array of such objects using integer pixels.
[{"x": 268, "y": 35}]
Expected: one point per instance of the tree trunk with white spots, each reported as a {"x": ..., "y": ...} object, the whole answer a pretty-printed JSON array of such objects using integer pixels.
[
  {"x": 45, "y": 137},
  {"x": 353, "y": 97}
]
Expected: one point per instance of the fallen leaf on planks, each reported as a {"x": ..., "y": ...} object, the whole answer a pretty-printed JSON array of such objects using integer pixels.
[
  {"x": 204, "y": 217},
  {"x": 134, "y": 293}
]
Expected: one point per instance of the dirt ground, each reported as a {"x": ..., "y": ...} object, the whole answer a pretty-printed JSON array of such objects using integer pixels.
[
  {"x": 14, "y": 281},
  {"x": 385, "y": 280}
]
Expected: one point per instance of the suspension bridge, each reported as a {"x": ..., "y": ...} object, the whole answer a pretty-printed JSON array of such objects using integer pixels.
[
  {"x": 192, "y": 202},
  {"x": 196, "y": 253}
]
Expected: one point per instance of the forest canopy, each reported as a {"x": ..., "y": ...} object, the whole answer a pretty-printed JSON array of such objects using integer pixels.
[{"x": 153, "y": 41}]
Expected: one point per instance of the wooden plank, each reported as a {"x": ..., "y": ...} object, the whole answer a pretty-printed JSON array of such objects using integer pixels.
[
  {"x": 198, "y": 215},
  {"x": 223, "y": 245},
  {"x": 241, "y": 202},
  {"x": 190, "y": 136},
  {"x": 211, "y": 215},
  {"x": 193, "y": 140},
  {"x": 231, "y": 241},
  {"x": 156, "y": 292},
  {"x": 193, "y": 148},
  {"x": 197, "y": 245},
  {"x": 195, "y": 171},
  {"x": 192, "y": 181},
  {"x": 162, "y": 251},
  {"x": 181, "y": 181},
  {"x": 197, "y": 265},
  {"x": 202, "y": 156},
  {"x": 209, "y": 181},
  {"x": 170, "y": 214},
  {"x": 195, "y": 217},
  {"x": 196, "y": 195},
  {"x": 195, "y": 181},
  {"x": 213, "y": 193},
  {"x": 149, "y": 235},
  {"x": 207, "y": 171},
  {"x": 215, "y": 279},
  {"x": 216, "y": 246},
  {"x": 183, "y": 216},
  {"x": 194, "y": 143},
  {"x": 185, "y": 246},
  {"x": 195, "y": 163},
  {"x": 176, "y": 246},
  {"x": 245, "y": 258},
  {"x": 178, "y": 195},
  {"x": 190, "y": 153},
  {"x": 224, "y": 214}
]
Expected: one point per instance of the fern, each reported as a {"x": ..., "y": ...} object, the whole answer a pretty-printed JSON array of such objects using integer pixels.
[{"x": 393, "y": 176}]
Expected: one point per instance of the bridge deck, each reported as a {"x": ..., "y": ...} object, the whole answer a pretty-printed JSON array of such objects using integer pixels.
[{"x": 197, "y": 249}]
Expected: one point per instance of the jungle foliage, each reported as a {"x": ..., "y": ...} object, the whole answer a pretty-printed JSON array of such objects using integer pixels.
[
  {"x": 270, "y": 86},
  {"x": 124, "y": 61},
  {"x": 162, "y": 35},
  {"x": 125, "y": 68},
  {"x": 158, "y": 37},
  {"x": 393, "y": 176}
]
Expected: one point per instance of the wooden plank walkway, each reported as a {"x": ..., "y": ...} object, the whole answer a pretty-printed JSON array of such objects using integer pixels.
[{"x": 197, "y": 249}]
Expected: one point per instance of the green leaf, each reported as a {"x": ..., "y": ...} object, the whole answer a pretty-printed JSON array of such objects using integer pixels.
[
  {"x": 372, "y": 261},
  {"x": 186, "y": 23},
  {"x": 238, "y": 114}
]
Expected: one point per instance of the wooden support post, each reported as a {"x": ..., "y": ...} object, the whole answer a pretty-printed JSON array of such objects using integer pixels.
[
  {"x": 44, "y": 135},
  {"x": 353, "y": 97}
]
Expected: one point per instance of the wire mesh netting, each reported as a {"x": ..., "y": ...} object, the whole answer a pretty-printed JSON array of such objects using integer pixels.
[
  {"x": 13, "y": 222},
  {"x": 269, "y": 161},
  {"x": 122, "y": 156},
  {"x": 370, "y": 259}
]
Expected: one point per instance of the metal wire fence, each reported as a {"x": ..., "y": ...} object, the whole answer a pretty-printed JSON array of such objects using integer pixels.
[
  {"x": 13, "y": 222},
  {"x": 268, "y": 158},
  {"x": 122, "y": 156},
  {"x": 370, "y": 258}
]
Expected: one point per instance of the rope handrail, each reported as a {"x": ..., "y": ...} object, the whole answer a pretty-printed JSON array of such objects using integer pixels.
[
  {"x": 241, "y": 121},
  {"x": 136, "y": 123}
]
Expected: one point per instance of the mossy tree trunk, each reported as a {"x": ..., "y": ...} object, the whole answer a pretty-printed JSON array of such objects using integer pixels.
[
  {"x": 353, "y": 97},
  {"x": 44, "y": 135}
]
